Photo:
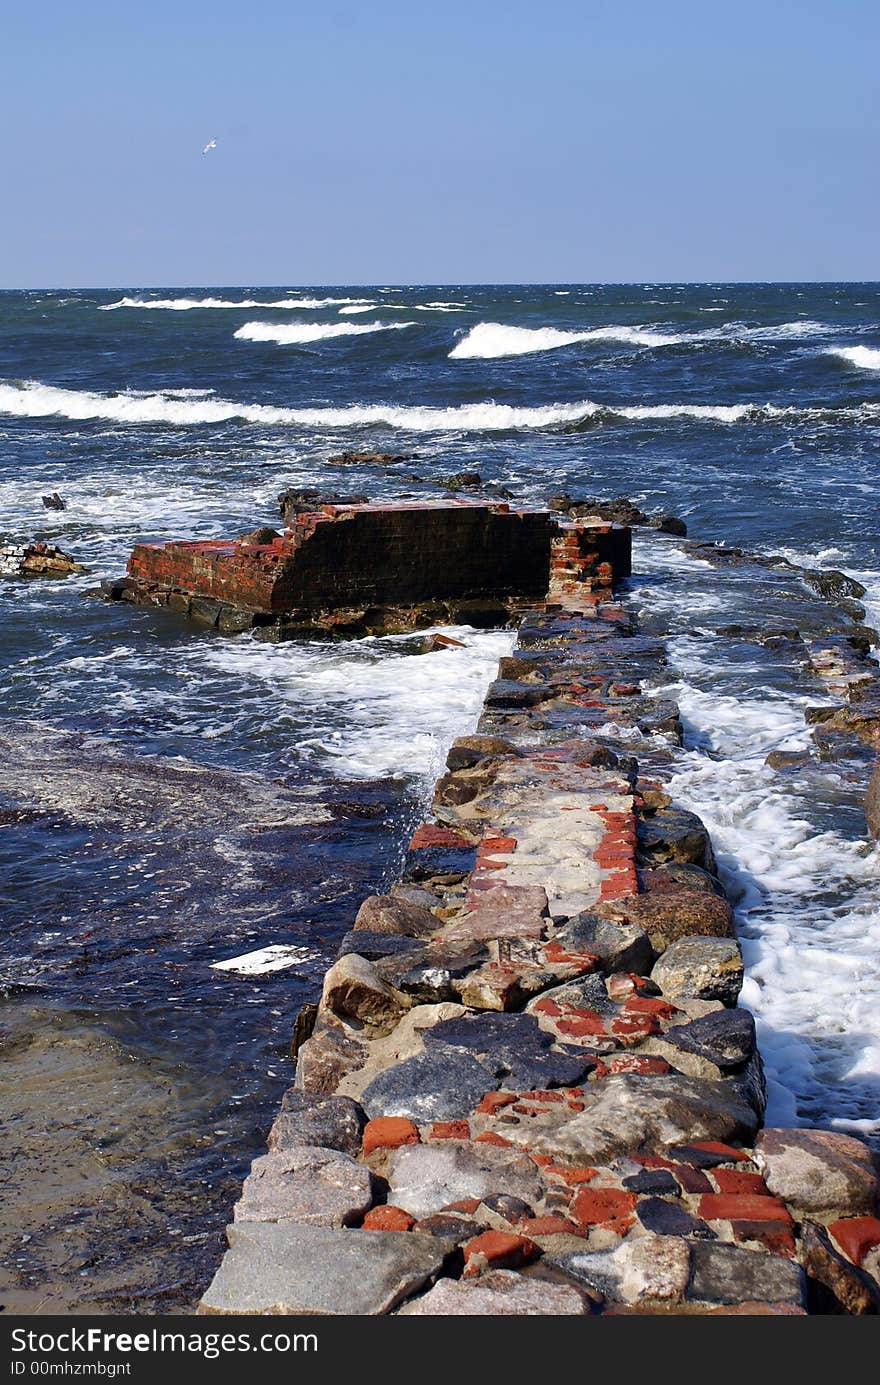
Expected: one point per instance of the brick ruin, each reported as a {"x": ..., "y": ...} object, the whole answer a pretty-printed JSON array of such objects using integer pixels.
[
  {"x": 528, "y": 1087},
  {"x": 360, "y": 567}
]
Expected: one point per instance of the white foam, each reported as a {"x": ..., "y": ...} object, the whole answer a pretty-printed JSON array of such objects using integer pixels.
[
  {"x": 865, "y": 357},
  {"x": 489, "y": 340},
  {"x": 375, "y": 712},
  {"x": 183, "y": 305},
  {"x": 32, "y": 399},
  {"x": 404, "y": 308},
  {"x": 300, "y": 333},
  {"x": 807, "y": 901}
]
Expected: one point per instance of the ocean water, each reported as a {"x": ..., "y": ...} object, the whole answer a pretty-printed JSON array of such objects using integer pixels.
[{"x": 170, "y": 799}]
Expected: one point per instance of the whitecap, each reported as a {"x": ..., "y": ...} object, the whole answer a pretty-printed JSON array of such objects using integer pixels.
[
  {"x": 301, "y": 333},
  {"x": 489, "y": 340},
  {"x": 865, "y": 357},
  {"x": 182, "y": 305}
]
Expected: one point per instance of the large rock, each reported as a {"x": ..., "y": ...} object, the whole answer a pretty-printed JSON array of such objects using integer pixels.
[
  {"x": 317, "y": 1187},
  {"x": 619, "y": 946},
  {"x": 280, "y": 1267},
  {"x": 424, "y": 1178},
  {"x": 503, "y": 911},
  {"x": 467, "y": 751},
  {"x": 440, "y": 1085},
  {"x": 332, "y": 1122},
  {"x": 818, "y": 1172},
  {"x": 674, "y": 834},
  {"x": 666, "y": 915},
  {"x": 630, "y": 1112},
  {"x": 701, "y": 968},
  {"x": 325, "y": 1058},
  {"x": 725, "y": 1038},
  {"x": 835, "y": 1285},
  {"x": 354, "y": 989},
  {"x": 385, "y": 913},
  {"x": 727, "y": 1274},
  {"x": 647, "y": 1268},
  {"x": 513, "y": 1047},
  {"x": 498, "y": 1294}
]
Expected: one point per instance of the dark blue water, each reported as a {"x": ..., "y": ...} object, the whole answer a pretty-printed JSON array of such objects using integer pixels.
[{"x": 169, "y": 798}]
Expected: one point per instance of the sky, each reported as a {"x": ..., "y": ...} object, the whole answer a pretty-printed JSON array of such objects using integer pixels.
[{"x": 393, "y": 141}]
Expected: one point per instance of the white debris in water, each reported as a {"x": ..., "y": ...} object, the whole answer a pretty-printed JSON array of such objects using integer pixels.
[{"x": 276, "y": 957}]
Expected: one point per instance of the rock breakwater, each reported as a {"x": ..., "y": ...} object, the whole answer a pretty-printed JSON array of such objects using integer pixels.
[{"x": 527, "y": 1087}]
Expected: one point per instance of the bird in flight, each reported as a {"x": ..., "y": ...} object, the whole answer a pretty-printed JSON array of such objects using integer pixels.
[{"x": 212, "y": 144}]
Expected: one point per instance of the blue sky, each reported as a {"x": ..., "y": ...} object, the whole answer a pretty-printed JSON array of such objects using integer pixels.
[{"x": 390, "y": 142}]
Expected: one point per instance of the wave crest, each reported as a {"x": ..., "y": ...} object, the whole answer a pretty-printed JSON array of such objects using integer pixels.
[
  {"x": 300, "y": 333},
  {"x": 488, "y": 340},
  {"x": 32, "y": 399},
  {"x": 865, "y": 357},
  {"x": 183, "y": 305}
]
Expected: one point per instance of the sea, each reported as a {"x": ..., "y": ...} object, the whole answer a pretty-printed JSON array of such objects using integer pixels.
[{"x": 172, "y": 799}]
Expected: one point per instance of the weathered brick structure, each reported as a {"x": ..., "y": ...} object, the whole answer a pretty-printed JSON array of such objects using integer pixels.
[{"x": 389, "y": 566}]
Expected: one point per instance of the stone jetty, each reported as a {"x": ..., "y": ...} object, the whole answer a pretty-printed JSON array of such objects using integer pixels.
[{"x": 527, "y": 1087}]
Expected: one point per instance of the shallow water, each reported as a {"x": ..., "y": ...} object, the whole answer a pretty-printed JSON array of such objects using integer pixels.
[{"x": 170, "y": 798}]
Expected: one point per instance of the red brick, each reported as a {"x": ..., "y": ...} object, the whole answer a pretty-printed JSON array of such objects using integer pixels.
[
  {"x": 742, "y": 1207},
  {"x": 856, "y": 1236},
  {"x": 598, "y": 1206},
  {"x": 732, "y": 1155},
  {"x": 489, "y": 1137},
  {"x": 449, "y": 1130},
  {"x": 388, "y": 1219},
  {"x": 736, "y": 1181},
  {"x": 550, "y": 1226},
  {"x": 464, "y": 1204},
  {"x": 497, "y": 1250},
  {"x": 494, "y": 1101},
  {"x": 389, "y": 1132},
  {"x": 631, "y": 1029},
  {"x": 650, "y": 1005},
  {"x": 572, "y": 1177}
]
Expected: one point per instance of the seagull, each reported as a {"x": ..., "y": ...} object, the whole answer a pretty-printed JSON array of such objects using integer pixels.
[{"x": 212, "y": 144}]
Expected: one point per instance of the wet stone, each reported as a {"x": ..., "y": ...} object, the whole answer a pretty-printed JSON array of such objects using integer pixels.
[
  {"x": 434, "y": 1086},
  {"x": 674, "y": 834}
]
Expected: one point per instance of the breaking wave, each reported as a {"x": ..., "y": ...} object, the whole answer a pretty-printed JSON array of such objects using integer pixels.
[
  {"x": 865, "y": 357},
  {"x": 31, "y": 399},
  {"x": 182, "y": 305},
  {"x": 300, "y": 333},
  {"x": 488, "y": 340}
]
